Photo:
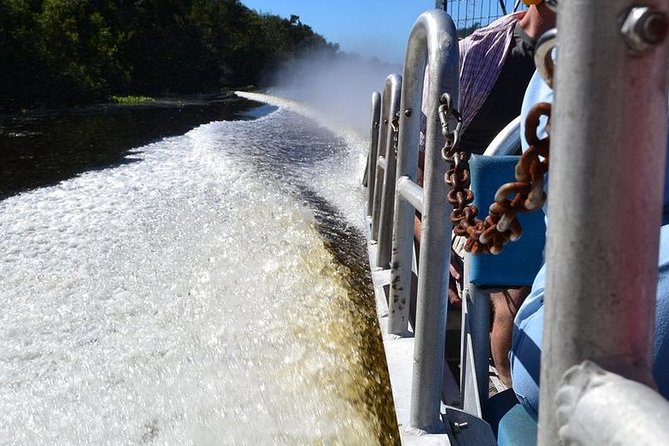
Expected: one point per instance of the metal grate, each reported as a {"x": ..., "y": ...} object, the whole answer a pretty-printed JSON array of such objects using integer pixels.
[{"x": 469, "y": 15}]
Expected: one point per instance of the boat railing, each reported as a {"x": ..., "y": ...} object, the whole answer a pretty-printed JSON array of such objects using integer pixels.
[
  {"x": 432, "y": 46},
  {"x": 369, "y": 179},
  {"x": 607, "y": 166},
  {"x": 384, "y": 197},
  {"x": 608, "y": 146},
  {"x": 392, "y": 184}
]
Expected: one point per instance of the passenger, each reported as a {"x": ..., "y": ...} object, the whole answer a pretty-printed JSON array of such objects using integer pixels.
[
  {"x": 527, "y": 334},
  {"x": 496, "y": 64}
]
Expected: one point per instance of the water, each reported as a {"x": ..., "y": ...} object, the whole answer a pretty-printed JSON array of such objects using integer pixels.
[
  {"x": 41, "y": 148},
  {"x": 210, "y": 290}
]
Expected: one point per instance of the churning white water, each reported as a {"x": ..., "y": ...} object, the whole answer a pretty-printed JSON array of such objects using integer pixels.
[{"x": 188, "y": 297}]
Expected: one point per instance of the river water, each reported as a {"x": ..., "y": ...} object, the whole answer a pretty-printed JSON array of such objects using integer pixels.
[{"x": 209, "y": 288}]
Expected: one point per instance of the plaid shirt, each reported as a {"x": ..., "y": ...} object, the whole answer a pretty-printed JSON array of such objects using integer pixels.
[{"x": 482, "y": 56}]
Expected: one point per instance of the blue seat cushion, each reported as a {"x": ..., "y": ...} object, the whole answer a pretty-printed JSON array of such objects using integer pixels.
[
  {"x": 520, "y": 260},
  {"x": 517, "y": 428}
]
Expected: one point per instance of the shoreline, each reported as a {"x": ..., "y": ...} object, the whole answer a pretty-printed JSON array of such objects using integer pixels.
[{"x": 199, "y": 99}]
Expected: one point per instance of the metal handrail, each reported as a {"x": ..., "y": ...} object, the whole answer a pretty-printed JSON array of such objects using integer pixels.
[
  {"x": 589, "y": 114},
  {"x": 604, "y": 209},
  {"x": 433, "y": 46},
  {"x": 411, "y": 192},
  {"x": 391, "y": 106},
  {"x": 385, "y": 133},
  {"x": 370, "y": 174}
]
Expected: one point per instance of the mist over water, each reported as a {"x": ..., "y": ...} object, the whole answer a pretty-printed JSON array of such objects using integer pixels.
[
  {"x": 212, "y": 292},
  {"x": 340, "y": 88}
]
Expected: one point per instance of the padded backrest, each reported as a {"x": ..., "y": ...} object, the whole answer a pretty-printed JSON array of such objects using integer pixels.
[{"x": 520, "y": 260}]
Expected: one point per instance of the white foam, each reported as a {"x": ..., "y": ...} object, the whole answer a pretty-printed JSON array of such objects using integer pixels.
[
  {"x": 346, "y": 172},
  {"x": 181, "y": 299}
]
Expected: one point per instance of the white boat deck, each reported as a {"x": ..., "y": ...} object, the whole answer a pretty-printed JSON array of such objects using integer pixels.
[{"x": 399, "y": 356}]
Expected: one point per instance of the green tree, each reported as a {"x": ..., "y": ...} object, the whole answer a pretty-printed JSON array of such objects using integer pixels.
[{"x": 86, "y": 50}]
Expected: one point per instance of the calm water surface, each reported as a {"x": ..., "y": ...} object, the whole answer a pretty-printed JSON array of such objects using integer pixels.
[{"x": 40, "y": 148}]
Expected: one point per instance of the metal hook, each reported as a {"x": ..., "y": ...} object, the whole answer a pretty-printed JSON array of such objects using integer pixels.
[{"x": 543, "y": 55}]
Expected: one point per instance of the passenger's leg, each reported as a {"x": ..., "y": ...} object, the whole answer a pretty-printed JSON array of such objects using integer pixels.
[{"x": 504, "y": 307}]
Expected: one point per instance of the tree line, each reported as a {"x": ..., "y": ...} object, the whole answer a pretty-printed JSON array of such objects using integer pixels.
[{"x": 82, "y": 51}]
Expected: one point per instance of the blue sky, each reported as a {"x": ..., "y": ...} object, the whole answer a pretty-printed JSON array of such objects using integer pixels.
[{"x": 369, "y": 27}]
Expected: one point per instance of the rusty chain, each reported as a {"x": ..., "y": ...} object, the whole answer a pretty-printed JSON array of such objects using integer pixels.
[{"x": 501, "y": 225}]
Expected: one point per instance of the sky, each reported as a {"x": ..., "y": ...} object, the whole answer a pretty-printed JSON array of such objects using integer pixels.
[{"x": 368, "y": 27}]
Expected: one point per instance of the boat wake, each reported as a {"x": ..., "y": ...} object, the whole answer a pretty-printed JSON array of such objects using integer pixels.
[{"x": 206, "y": 294}]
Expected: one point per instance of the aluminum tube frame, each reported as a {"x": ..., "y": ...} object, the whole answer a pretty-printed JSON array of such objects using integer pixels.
[
  {"x": 385, "y": 133},
  {"x": 507, "y": 141},
  {"x": 476, "y": 324},
  {"x": 432, "y": 45},
  {"x": 600, "y": 408},
  {"x": 411, "y": 192},
  {"x": 391, "y": 93},
  {"x": 609, "y": 135},
  {"x": 373, "y": 150}
]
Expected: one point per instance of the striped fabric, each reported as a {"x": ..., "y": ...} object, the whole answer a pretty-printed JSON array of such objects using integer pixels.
[{"x": 482, "y": 56}]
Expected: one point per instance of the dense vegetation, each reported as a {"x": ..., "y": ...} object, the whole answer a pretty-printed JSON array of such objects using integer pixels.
[{"x": 77, "y": 51}]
